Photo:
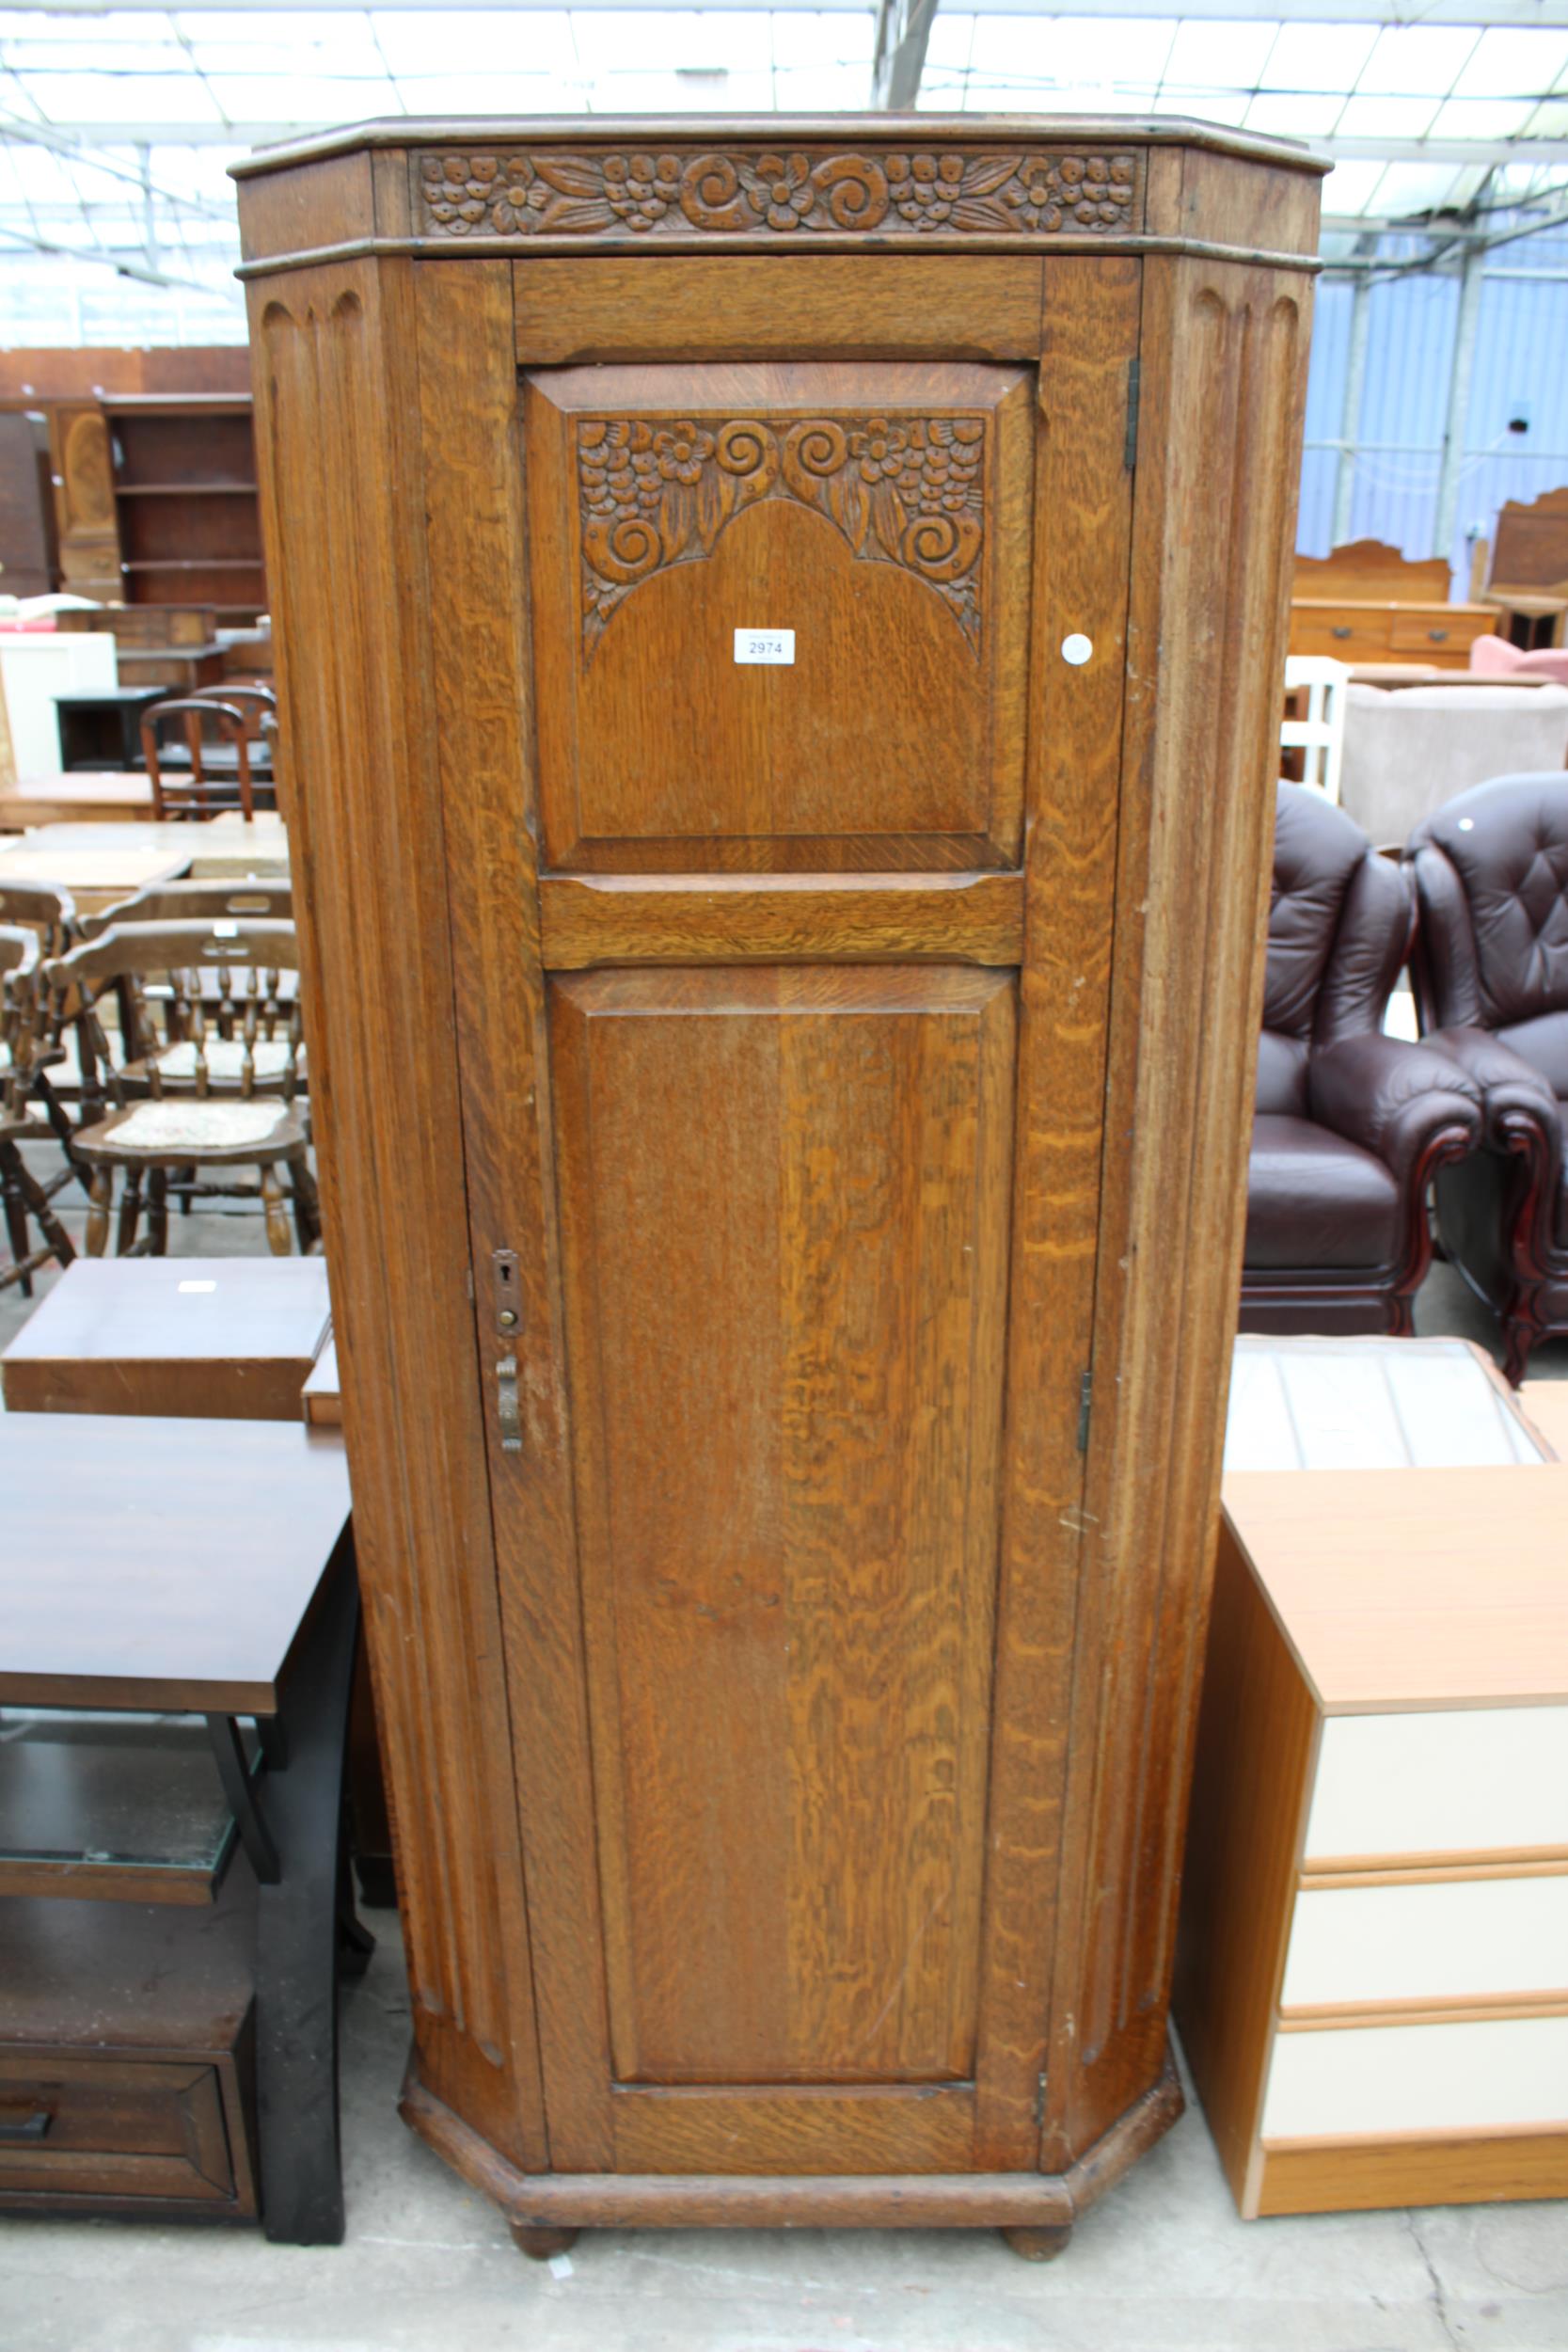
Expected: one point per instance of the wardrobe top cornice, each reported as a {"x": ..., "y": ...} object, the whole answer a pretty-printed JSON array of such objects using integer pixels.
[{"x": 456, "y": 188}]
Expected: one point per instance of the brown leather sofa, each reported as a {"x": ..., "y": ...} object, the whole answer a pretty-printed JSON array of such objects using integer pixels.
[
  {"x": 1350, "y": 1124},
  {"x": 1491, "y": 975}
]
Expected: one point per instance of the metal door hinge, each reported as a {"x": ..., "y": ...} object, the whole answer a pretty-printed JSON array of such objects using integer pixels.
[
  {"x": 1130, "y": 447},
  {"x": 1040, "y": 2105},
  {"x": 1086, "y": 1405}
]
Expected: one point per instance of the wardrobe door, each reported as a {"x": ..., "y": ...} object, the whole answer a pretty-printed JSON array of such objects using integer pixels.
[{"x": 821, "y": 1185}]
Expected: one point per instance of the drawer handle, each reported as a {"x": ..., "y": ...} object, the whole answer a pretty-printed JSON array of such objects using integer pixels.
[
  {"x": 1439, "y": 636},
  {"x": 32, "y": 2126},
  {"x": 1339, "y": 632}
]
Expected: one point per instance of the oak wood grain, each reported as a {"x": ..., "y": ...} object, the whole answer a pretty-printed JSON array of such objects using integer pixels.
[
  {"x": 339, "y": 454},
  {"x": 881, "y": 512},
  {"x": 726, "y": 1115},
  {"x": 586, "y": 919},
  {"x": 1223, "y": 354},
  {"x": 788, "y": 1535},
  {"x": 970, "y": 2199},
  {"x": 901, "y": 306},
  {"x": 814, "y": 2129},
  {"x": 1089, "y": 330},
  {"x": 472, "y": 496}
]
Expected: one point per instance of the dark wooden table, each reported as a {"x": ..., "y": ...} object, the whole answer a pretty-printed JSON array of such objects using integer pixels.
[
  {"x": 206, "y": 1567},
  {"x": 213, "y": 1337}
]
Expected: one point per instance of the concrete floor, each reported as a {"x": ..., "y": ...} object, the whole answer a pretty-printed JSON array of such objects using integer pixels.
[{"x": 428, "y": 2266}]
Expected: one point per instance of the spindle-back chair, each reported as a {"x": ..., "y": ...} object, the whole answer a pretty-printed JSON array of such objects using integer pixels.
[
  {"x": 21, "y": 1017},
  {"x": 186, "y": 1101},
  {"x": 208, "y": 786}
]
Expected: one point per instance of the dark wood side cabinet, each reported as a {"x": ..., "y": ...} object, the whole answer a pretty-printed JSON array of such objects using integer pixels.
[
  {"x": 127, "y": 2058},
  {"x": 29, "y": 559},
  {"x": 779, "y": 637}
]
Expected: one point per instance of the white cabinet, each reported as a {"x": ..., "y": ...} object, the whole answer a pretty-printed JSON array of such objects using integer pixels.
[
  {"x": 1372, "y": 1970},
  {"x": 35, "y": 668}
]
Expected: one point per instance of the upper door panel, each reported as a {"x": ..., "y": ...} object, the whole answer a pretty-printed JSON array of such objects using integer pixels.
[{"x": 880, "y": 512}]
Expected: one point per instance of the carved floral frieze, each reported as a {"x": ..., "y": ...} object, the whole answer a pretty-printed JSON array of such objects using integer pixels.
[
  {"x": 766, "y": 196},
  {"x": 906, "y": 490}
]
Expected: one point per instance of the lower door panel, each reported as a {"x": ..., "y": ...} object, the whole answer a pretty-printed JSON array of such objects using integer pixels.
[{"x": 785, "y": 1201}]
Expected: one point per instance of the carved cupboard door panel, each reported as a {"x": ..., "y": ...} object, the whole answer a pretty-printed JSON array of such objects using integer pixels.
[
  {"x": 869, "y": 525},
  {"x": 823, "y": 928}
]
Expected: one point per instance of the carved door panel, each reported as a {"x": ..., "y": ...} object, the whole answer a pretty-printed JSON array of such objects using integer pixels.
[{"x": 875, "y": 516}]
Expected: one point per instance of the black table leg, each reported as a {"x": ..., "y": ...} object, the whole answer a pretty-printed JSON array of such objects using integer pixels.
[{"x": 297, "y": 1935}]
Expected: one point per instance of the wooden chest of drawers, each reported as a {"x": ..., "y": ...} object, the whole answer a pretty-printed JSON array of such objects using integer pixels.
[
  {"x": 126, "y": 2058},
  {"x": 1352, "y": 631},
  {"x": 1373, "y": 1975}
]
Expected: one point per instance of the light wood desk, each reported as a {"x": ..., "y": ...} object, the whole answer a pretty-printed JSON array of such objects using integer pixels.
[
  {"x": 109, "y": 798},
  {"x": 228, "y": 847},
  {"x": 1373, "y": 1969},
  {"x": 101, "y": 863}
]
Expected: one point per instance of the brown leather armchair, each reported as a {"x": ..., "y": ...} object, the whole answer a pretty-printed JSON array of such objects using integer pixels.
[
  {"x": 1350, "y": 1124},
  {"x": 1491, "y": 975}
]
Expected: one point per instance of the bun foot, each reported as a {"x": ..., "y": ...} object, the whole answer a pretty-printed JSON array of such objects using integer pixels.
[
  {"x": 1040, "y": 2245},
  {"x": 539, "y": 2245}
]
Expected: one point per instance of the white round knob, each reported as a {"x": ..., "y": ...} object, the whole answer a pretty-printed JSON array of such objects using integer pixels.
[{"x": 1077, "y": 649}]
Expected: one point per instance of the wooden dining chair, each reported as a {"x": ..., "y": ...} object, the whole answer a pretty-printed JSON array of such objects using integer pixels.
[
  {"x": 257, "y": 706},
  {"x": 255, "y": 701},
  {"x": 269, "y": 899},
  {"x": 50, "y": 913},
  {"x": 223, "y": 991},
  {"x": 26, "y": 1200},
  {"x": 213, "y": 784},
  {"x": 43, "y": 909},
  {"x": 190, "y": 1105}
]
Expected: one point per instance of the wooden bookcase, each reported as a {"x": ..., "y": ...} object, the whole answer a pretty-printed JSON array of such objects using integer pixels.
[
  {"x": 785, "y": 1274},
  {"x": 185, "y": 503}
]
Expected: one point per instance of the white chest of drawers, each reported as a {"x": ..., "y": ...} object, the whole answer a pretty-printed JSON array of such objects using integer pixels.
[{"x": 1372, "y": 1970}]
